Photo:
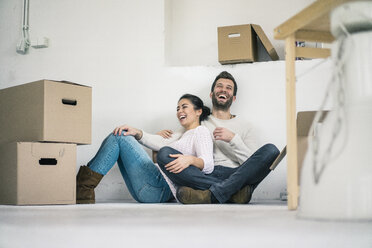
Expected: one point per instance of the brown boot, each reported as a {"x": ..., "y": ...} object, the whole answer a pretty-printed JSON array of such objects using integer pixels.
[
  {"x": 86, "y": 181},
  {"x": 243, "y": 196},
  {"x": 188, "y": 195}
]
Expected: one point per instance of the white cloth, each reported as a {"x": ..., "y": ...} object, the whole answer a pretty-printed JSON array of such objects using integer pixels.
[
  {"x": 229, "y": 154},
  {"x": 195, "y": 142},
  {"x": 239, "y": 149}
]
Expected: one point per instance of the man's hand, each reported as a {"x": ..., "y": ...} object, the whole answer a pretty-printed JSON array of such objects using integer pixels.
[
  {"x": 166, "y": 134},
  {"x": 221, "y": 133},
  {"x": 179, "y": 164},
  {"x": 128, "y": 131}
]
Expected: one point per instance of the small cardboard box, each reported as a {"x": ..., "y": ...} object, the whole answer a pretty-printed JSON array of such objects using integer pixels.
[
  {"x": 37, "y": 173},
  {"x": 244, "y": 43},
  {"x": 304, "y": 122},
  {"x": 46, "y": 110}
]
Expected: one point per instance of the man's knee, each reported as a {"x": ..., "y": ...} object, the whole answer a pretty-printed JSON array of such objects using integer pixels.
[
  {"x": 163, "y": 155},
  {"x": 271, "y": 150}
]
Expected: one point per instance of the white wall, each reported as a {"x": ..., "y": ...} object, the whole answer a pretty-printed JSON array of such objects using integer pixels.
[
  {"x": 191, "y": 25},
  {"x": 117, "y": 47}
]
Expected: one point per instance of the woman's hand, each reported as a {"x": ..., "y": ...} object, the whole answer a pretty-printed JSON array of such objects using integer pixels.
[
  {"x": 179, "y": 164},
  {"x": 128, "y": 131},
  {"x": 166, "y": 133}
]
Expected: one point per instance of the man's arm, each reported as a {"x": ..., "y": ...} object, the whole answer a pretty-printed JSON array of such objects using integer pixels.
[
  {"x": 243, "y": 147},
  {"x": 240, "y": 147}
]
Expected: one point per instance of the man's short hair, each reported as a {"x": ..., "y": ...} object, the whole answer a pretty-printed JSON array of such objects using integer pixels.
[{"x": 225, "y": 75}]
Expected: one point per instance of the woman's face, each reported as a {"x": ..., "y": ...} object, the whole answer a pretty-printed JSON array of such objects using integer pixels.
[{"x": 187, "y": 115}]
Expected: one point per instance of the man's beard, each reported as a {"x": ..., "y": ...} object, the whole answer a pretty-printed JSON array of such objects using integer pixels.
[{"x": 221, "y": 105}]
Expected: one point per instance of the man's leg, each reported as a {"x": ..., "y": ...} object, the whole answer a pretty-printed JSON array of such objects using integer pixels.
[
  {"x": 251, "y": 172},
  {"x": 193, "y": 183},
  {"x": 191, "y": 176},
  {"x": 144, "y": 181}
]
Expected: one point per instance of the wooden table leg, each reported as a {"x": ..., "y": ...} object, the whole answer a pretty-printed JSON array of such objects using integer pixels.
[{"x": 292, "y": 168}]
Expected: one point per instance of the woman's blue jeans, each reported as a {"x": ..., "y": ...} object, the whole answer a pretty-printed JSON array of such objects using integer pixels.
[
  {"x": 223, "y": 182},
  {"x": 143, "y": 179}
]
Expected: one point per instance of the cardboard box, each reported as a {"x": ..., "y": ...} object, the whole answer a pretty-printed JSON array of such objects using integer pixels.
[
  {"x": 46, "y": 111},
  {"x": 244, "y": 43},
  {"x": 37, "y": 173},
  {"x": 304, "y": 122}
]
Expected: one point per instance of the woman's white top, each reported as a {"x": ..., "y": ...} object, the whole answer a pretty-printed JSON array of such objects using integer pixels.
[{"x": 195, "y": 142}]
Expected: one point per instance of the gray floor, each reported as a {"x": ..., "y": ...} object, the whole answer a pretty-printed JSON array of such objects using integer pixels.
[{"x": 261, "y": 224}]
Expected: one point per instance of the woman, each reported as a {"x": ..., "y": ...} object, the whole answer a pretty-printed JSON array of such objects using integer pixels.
[{"x": 144, "y": 180}]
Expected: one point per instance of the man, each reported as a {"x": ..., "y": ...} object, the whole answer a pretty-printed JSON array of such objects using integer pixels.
[{"x": 239, "y": 166}]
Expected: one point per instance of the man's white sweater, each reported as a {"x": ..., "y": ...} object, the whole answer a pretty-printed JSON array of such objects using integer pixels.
[{"x": 239, "y": 149}]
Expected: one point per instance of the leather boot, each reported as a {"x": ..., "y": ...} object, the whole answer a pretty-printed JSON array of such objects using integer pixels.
[
  {"x": 188, "y": 195},
  {"x": 243, "y": 196},
  {"x": 86, "y": 181}
]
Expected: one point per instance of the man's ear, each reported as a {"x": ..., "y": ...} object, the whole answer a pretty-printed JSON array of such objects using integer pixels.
[
  {"x": 210, "y": 94},
  {"x": 234, "y": 98}
]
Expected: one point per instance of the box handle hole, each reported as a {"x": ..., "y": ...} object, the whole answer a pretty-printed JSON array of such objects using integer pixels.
[
  {"x": 69, "y": 102},
  {"x": 234, "y": 35},
  {"x": 48, "y": 161}
]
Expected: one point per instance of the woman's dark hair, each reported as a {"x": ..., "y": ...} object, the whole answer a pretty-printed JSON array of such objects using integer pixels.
[
  {"x": 225, "y": 75},
  {"x": 198, "y": 104}
]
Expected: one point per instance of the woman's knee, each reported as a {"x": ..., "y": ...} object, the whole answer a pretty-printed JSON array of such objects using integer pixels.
[{"x": 118, "y": 138}]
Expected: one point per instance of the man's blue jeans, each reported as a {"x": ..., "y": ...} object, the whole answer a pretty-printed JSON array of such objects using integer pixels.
[
  {"x": 223, "y": 182},
  {"x": 143, "y": 179}
]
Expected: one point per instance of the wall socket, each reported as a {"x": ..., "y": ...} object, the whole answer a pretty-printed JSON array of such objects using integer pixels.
[{"x": 40, "y": 43}]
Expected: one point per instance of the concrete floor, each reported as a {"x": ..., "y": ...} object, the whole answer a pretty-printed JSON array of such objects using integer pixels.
[{"x": 267, "y": 224}]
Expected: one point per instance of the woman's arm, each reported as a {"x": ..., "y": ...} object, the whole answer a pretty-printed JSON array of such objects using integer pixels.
[
  {"x": 155, "y": 142},
  {"x": 151, "y": 141},
  {"x": 181, "y": 162},
  {"x": 136, "y": 133}
]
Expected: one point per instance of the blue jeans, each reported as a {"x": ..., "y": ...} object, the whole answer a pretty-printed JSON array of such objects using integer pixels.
[
  {"x": 223, "y": 182},
  {"x": 143, "y": 179}
]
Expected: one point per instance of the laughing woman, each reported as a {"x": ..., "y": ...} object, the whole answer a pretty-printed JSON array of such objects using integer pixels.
[{"x": 145, "y": 181}]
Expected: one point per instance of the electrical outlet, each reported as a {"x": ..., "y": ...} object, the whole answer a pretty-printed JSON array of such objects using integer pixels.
[
  {"x": 283, "y": 196},
  {"x": 40, "y": 43}
]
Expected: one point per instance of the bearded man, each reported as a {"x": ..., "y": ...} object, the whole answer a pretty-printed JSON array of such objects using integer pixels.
[{"x": 239, "y": 165}]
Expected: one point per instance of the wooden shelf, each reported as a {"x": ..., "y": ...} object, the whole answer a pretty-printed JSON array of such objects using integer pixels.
[
  {"x": 312, "y": 20},
  {"x": 311, "y": 24}
]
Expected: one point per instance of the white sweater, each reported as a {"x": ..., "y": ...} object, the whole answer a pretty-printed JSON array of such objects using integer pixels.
[
  {"x": 229, "y": 154},
  {"x": 195, "y": 142},
  {"x": 239, "y": 149}
]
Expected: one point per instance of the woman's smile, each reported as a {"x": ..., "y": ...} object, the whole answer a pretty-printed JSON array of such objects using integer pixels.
[{"x": 187, "y": 115}]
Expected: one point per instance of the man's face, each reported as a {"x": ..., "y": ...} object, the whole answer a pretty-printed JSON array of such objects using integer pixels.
[{"x": 222, "y": 95}]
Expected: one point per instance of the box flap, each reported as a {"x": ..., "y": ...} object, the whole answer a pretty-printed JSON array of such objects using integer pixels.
[
  {"x": 265, "y": 41},
  {"x": 67, "y": 82},
  {"x": 305, "y": 120}
]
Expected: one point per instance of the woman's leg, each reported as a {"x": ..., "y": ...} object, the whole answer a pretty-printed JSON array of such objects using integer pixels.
[
  {"x": 195, "y": 184},
  {"x": 144, "y": 181}
]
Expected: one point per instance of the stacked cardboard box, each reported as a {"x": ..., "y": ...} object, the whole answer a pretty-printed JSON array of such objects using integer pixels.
[
  {"x": 244, "y": 43},
  {"x": 40, "y": 125}
]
